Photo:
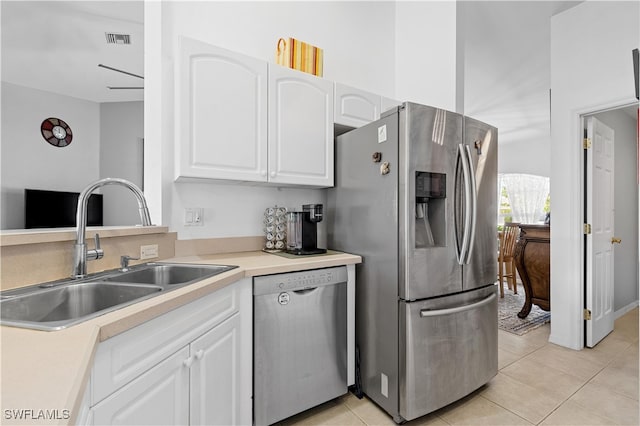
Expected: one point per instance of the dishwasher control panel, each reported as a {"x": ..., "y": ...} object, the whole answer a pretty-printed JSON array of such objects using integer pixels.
[{"x": 302, "y": 280}]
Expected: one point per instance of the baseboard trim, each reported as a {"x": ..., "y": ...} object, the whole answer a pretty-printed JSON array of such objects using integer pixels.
[{"x": 620, "y": 312}]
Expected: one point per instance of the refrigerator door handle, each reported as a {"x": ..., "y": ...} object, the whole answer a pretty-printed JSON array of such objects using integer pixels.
[
  {"x": 424, "y": 313},
  {"x": 474, "y": 205},
  {"x": 463, "y": 255},
  {"x": 456, "y": 189}
]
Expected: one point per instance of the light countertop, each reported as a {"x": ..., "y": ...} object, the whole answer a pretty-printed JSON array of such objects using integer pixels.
[{"x": 48, "y": 370}]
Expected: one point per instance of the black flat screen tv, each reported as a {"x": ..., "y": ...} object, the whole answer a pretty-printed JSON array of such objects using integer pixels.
[{"x": 57, "y": 209}]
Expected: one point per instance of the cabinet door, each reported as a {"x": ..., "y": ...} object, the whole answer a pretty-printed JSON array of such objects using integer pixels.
[
  {"x": 300, "y": 128},
  {"x": 125, "y": 357},
  {"x": 221, "y": 109},
  {"x": 159, "y": 396},
  {"x": 355, "y": 107},
  {"x": 216, "y": 389}
]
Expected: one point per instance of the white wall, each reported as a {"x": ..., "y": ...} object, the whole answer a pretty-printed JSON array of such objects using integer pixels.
[
  {"x": 121, "y": 151},
  {"x": 358, "y": 43},
  {"x": 505, "y": 48},
  {"x": 28, "y": 161},
  {"x": 626, "y": 206},
  {"x": 357, "y": 37},
  {"x": 425, "y": 58},
  {"x": 591, "y": 68}
]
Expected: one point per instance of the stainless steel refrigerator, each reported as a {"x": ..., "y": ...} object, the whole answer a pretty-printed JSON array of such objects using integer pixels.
[{"x": 415, "y": 195}]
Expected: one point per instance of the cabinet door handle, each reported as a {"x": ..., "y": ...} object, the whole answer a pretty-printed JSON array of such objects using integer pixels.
[
  {"x": 200, "y": 354},
  {"x": 187, "y": 362},
  {"x": 273, "y": 174}
]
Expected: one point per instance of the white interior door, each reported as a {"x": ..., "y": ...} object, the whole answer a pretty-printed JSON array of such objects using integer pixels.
[{"x": 600, "y": 214}]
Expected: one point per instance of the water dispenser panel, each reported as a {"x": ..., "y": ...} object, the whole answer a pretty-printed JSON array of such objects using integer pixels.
[
  {"x": 430, "y": 185},
  {"x": 430, "y": 209}
]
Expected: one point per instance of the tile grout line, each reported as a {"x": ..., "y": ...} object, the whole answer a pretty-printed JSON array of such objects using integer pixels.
[
  {"x": 506, "y": 409},
  {"x": 515, "y": 379},
  {"x": 578, "y": 390}
]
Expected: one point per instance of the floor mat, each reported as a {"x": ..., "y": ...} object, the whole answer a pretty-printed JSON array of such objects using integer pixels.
[{"x": 508, "y": 308}]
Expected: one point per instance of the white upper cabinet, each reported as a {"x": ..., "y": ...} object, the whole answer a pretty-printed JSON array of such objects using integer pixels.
[
  {"x": 221, "y": 108},
  {"x": 239, "y": 118},
  {"x": 355, "y": 107},
  {"x": 300, "y": 128}
]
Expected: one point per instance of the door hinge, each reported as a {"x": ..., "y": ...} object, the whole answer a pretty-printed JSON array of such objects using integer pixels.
[
  {"x": 586, "y": 143},
  {"x": 586, "y": 314},
  {"x": 586, "y": 228}
]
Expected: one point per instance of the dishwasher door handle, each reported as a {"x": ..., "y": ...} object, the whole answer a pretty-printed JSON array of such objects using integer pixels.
[{"x": 305, "y": 291}]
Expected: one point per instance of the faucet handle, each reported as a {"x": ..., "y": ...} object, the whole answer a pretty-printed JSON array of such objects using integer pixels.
[
  {"x": 124, "y": 262},
  {"x": 96, "y": 253}
]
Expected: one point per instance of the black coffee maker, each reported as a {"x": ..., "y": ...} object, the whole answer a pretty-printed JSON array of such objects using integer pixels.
[{"x": 302, "y": 230}]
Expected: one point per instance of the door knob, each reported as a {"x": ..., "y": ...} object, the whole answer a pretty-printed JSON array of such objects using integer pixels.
[{"x": 615, "y": 240}]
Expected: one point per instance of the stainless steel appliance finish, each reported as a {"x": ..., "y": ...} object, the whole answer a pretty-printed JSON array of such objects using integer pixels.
[
  {"x": 448, "y": 349},
  {"x": 300, "y": 341},
  {"x": 415, "y": 195},
  {"x": 60, "y": 304},
  {"x": 72, "y": 301}
]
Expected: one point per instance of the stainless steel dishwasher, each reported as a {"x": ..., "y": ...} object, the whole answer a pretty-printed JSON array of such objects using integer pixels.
[{"x": 300, "y": 341}]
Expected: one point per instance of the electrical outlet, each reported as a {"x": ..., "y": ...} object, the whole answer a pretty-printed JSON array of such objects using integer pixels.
[
  {"x": 148, "y": 252},
  {"x": 193, "y": 216}
]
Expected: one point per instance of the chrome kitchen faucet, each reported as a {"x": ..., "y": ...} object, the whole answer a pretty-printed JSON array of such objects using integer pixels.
[{"x": 80, "y": 253}]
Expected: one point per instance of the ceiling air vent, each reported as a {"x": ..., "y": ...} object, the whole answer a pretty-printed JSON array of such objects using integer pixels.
[{"x": 113, "y": 38}]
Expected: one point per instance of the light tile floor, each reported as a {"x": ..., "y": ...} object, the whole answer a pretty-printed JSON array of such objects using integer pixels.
[{"x": 537, "y": 383}]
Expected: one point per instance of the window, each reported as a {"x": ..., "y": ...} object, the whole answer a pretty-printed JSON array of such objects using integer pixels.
[{"x": 522, "y": 198}]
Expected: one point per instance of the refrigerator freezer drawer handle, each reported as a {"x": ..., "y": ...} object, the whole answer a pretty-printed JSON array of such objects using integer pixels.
[
  {"x": 424, "y": 313},
  {"x": 474, "y": 204}
]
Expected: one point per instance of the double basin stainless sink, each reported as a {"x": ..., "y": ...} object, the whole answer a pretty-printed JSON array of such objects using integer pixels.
[{"x": 60, "y": 304}]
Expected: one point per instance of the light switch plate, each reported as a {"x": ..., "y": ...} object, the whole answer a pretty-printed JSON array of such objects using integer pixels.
[
  {"x": 193, "y": 216},
  {"x": 148, "y": 252}
]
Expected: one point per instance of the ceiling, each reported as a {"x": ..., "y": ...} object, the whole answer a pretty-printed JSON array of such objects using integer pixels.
[{"x": 57, "y": 45}]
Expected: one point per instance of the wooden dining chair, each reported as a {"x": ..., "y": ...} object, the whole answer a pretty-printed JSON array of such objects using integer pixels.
[{"x": 506, "y": 263}]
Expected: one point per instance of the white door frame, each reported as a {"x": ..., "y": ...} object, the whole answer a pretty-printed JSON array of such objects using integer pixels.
[
  {"x": 577, "y": 304},
  {"x": 567, "y": 244}
]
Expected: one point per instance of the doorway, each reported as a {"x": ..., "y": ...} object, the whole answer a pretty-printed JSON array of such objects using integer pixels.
[{"x": 624, "y": 122}]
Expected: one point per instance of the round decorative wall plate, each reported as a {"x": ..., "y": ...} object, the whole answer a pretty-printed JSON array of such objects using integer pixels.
[{"x": 56, "y": 132}]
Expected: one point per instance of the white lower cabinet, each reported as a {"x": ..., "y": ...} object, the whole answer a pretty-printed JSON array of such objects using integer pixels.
[
  {"x": 159, "y": 396},
  {"x": 214, "y": 376},
  {"x": 206, "y": 378}
]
